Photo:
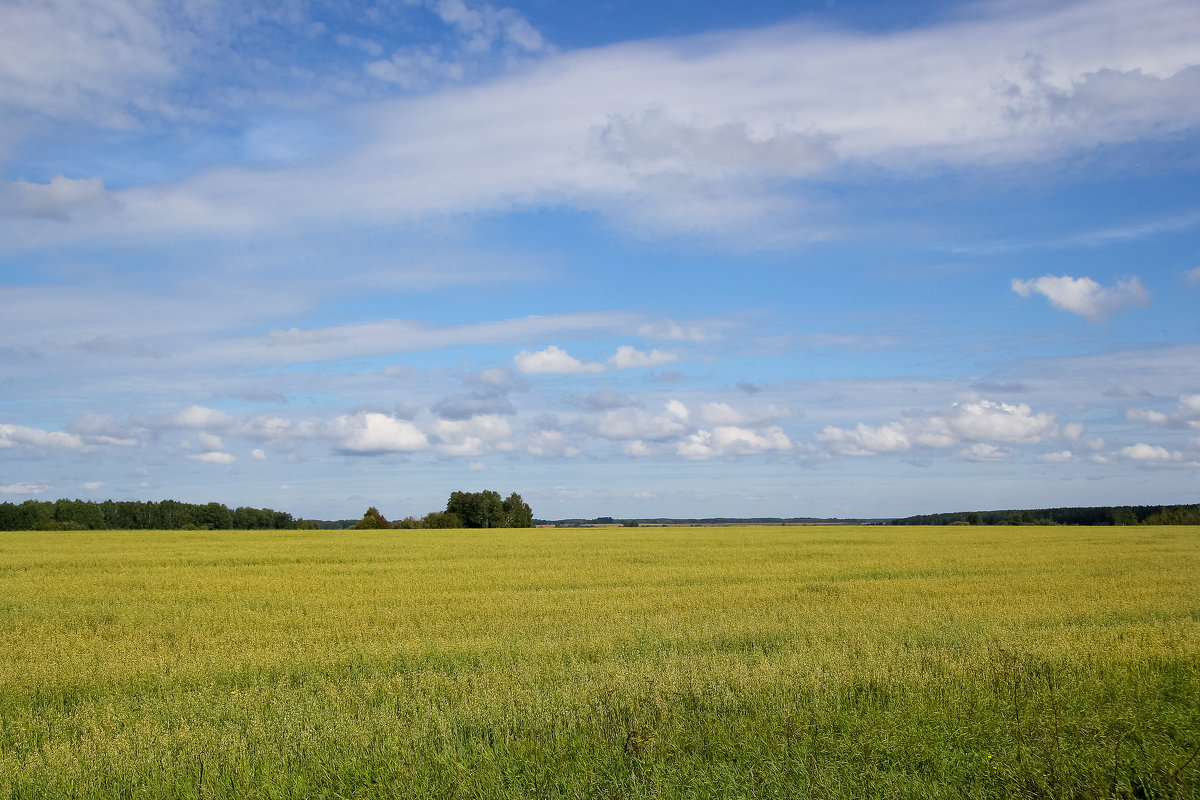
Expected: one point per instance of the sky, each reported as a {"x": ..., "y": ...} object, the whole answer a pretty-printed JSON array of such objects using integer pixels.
[{"x": 632, "y": 259}]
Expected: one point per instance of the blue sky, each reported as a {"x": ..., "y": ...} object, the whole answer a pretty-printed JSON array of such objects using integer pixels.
[{"x": 629, "y": 259}]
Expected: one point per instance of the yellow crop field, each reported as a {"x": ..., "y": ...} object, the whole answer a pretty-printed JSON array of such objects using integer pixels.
[{"x": 647, "y": 662}]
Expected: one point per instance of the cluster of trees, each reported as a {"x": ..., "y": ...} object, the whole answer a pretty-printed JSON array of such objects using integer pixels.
[
  {"x": 1114, "y": 515},
  {"x": 463, "y": 510},
  {"x": 83, "y": 515}
]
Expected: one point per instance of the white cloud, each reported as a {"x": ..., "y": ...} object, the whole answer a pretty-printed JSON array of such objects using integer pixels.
[
  {"x": 95, "y": 61},
  {"x": 258, "y": 454},
  {"x": 1148, "y": 452},
  {"x": 635, "y": 424},
  {"x": 481, "y": 29},
  {"x": 700, "y": 133},
  {"x": 92, "y": 485},
  {"x": 485, "y": 26},
  {"x": 14, "y": 435},
  {"x": 865, "y": 439},
  {"x": 652, "y": 143},
  {"x": 725, "y": 440},
  {"x": 721, "y": 414},
  {"x": 210, "y": 442},
  {"x": 1187, "y": 414},
  {"x": 982, "y": 451},
  {"x": 370, "y": 433},
  {"x": 1193, "y": 276},
  {"x": 1084, "y": 296},
  {"x": 1146, "y": 415},
  {"x": 214, "y": 457},
  {"x": 1061, "y": 457},
  {"x": 1073, "y": 431},
  {"x": 473, "y": 436},
  {"x": 551, "y": 444},
  {"x": 985, "y": 419},
  {"x": 628, "y": 357},
  {"x": 553, "y": 361},
  {"x": 200, "y": 417},
  {"x": 980, "y": 421},
  {"x": 733, "y": 439},
  {"x": 417, "y": 68},
  {"x": 25, "y": 488}
]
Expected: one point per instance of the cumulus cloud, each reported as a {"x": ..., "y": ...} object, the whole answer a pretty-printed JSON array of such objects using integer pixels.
[
  {"x": 979, "y": 421},
  {"x": 1061, "y": 457},
  {"x": 638, "y": 424},
  {"x": 725, "y": 440},
  {"x": 25, "y": 488},
  {"x": 1148, "y": 452},
  {"x": 985, "y": 419},
  {"x": 91, "y": 486},
  {"x": 373, "y": 433},
  {"x": 865, "y": 440},
  {"x": 258, "y": 454},
  {"x": 18, "y": 435},
  {"x": 1084, "y": 296},
  {"x": 628, "y": 357},
  {"x": 1185, "y": 415},
  {"x": 210, "y": 442},
  {"x": 551, "y": 444},
  {"x": 552, "y": 361},
  {"x": 721, "y": 414},
  {"x": 200, "y": 417},
  {"x": 214, "y": 457},
  {"x": 473, "y": 436}
]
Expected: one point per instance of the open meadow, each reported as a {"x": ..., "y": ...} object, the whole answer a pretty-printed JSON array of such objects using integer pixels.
[{"x": 847, "y": 662}]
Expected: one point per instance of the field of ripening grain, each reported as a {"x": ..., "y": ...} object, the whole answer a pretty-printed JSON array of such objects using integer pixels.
[{"x": 651, "y": 662}]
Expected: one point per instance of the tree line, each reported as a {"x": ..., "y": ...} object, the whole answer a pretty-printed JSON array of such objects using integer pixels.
[
  {"x": 85, "y": 515},
  {"x": 463, "y": 510},
  {"x": 1106, "y": 515}
]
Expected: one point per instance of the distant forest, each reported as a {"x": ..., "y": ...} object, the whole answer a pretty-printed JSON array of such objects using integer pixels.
[
  {"x": 84, "y": 515},
  {"x": 1114, "y": 515},
  {"x": 714, "y": 521}
]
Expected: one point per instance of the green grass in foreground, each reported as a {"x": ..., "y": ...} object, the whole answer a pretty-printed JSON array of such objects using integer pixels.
[{"x": 717, "y": 662}]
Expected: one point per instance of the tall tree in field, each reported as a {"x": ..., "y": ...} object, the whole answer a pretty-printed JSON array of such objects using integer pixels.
[
  {"x": 517, "y": 513},
  {"x": 372, "y": 520},
  {"x": 486, "y": 510}
]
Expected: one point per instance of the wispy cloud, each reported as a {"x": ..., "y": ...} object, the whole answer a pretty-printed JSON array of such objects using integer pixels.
[{"x": 694, "y": 132}]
